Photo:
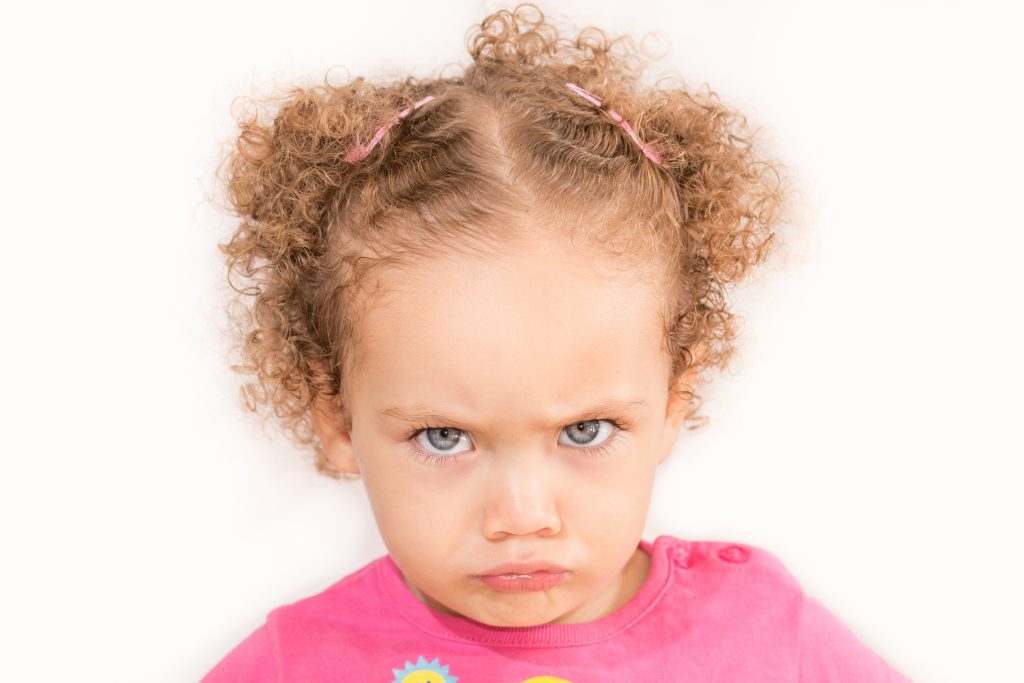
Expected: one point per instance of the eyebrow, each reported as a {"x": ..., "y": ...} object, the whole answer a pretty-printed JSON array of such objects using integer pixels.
[{"x": 417, "y": 413}]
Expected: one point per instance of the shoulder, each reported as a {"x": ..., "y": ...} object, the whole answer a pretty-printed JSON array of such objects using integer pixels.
[
  {"x": 738, "y": 586},
  {"x": 738, "y": 566},
  {"x": 339, "y": 601},
  {"x": 253, "y": 659},
  {"x": 830, "y": 651},
  {"x": 751, "y": 590},
  {"x": 734, "y": 602},
  {"x": 288, "y": 626}
]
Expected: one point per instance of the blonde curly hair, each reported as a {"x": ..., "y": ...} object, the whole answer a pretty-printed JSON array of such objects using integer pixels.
[{"x": 504, "y": 139}]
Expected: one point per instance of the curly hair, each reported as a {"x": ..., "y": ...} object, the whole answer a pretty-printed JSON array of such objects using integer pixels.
[{"x": 503, "y": 140}]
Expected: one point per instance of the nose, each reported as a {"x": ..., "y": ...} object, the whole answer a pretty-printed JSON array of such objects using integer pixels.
[{"x": 521, "y": 497}]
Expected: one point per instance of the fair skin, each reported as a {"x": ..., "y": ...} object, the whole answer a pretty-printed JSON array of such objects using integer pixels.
[{"x": 509, "y": 352}]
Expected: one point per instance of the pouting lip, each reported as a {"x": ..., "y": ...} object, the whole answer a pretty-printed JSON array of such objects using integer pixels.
[{"x": 520, "y": 568}]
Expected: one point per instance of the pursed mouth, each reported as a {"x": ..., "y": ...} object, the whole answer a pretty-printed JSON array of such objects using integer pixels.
[{"x": 520, "y": 582}]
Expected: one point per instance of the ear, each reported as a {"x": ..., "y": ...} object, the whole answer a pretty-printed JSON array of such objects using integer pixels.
[
  {"x": 675, "y": 411},
  {"x": 329, "y": 423}
]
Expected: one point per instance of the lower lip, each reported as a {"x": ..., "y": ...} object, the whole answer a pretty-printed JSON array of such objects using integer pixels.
[{"x": 519, "y": 583}]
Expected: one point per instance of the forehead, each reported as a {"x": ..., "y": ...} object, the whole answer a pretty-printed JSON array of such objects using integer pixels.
[{"x": 540, "y": 317}]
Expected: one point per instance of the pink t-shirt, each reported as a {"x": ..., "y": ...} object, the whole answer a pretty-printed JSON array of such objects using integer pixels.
[{"x": 708, "y": 612}]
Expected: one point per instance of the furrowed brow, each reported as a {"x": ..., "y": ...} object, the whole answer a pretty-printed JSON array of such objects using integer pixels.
[
  {"x": 606, "y": 407},
  {"x": 418, "y": 413}
]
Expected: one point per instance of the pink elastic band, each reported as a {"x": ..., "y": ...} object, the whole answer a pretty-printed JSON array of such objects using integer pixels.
[
  {"x": 358, "y": 152},
  {"x": 596, "y": 101}
]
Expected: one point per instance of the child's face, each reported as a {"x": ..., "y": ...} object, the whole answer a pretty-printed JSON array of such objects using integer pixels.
[{"x": 510, "y": 353}]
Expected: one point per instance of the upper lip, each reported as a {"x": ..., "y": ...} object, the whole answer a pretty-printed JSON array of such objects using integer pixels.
[{"x": 530, "y": 567}]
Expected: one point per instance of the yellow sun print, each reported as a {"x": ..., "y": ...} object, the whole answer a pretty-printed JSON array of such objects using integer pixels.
[{"x": 423, "y": 672}]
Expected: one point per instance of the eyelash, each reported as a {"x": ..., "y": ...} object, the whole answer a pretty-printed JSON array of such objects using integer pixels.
[{"x": 442, "y": 461}]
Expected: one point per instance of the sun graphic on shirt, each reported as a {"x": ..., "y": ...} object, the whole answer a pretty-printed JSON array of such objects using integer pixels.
[{"x": 423, "y": 672}]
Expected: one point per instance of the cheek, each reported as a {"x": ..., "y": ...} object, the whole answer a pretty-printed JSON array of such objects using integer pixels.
[
  {"x": 612, "y": 495},
  {"x": 413, "y": 508}
]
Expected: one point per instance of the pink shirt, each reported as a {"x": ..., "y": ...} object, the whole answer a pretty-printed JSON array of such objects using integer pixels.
[{"x": 707, "y": 611}]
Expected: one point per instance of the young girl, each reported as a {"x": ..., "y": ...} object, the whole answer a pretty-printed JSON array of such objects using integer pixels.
[{"x": 491, "y": 297}]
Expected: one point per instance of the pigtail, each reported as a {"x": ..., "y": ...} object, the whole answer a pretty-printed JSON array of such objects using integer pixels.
[
  {"x": 281, "y": 179},
  {"x": 728, "y": 203}
]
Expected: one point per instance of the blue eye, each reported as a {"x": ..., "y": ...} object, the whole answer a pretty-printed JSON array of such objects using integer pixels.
[
  {"x": 444, "y": 439},
  {"x": 439, "y": 446},
  {"x": 586, "y": 432}
]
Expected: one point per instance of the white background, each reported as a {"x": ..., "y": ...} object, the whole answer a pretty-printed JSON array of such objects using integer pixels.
[{"x": 869, "y": 433}]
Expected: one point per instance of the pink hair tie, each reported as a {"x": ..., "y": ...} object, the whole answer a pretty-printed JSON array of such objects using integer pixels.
[
  {"x": 596, "y": 101},
  {"x": 357, "y": 152}
]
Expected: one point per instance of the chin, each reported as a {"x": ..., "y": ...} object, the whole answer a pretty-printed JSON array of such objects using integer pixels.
[
  {"x": 510, "y": 623},
  {"x": 513, "y": 617}
]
